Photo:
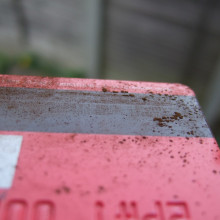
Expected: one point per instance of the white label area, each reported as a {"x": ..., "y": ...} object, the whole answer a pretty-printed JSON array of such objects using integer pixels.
[{"x": 10, "y": 146}]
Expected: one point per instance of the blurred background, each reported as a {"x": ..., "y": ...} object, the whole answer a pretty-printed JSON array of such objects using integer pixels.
[{"x": 141, "y": 40}]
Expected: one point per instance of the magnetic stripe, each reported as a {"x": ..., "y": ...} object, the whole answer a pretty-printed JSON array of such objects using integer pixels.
[{"x": 69, "y": 111}]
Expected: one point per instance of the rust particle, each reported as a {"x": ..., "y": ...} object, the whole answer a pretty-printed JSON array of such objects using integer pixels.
[
  {"x": 101, "y": 189},
  {"x": 214, "y": 171},
  {"x": 57, "y": 191},
  {"x": 104, "y": 89},
  {"x": 66, "y": 189}
]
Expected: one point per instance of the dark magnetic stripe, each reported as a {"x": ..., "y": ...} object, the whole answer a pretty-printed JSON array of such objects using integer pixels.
[{"x": 66, "y": 111}]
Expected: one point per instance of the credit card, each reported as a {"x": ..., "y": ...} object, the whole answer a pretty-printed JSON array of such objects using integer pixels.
[{"x": 85, "y": 149}]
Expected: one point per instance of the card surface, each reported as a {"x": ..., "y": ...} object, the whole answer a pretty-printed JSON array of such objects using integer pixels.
[{"x": 102, "y": 149}]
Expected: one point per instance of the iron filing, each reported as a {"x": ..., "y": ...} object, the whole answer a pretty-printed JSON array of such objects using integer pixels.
[{"x": 84, "y": 149}]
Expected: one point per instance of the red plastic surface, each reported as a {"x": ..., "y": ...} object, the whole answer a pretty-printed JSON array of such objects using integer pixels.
[
  {"x": 62, "y": 176},
  {"x": 93, "y": 85}
]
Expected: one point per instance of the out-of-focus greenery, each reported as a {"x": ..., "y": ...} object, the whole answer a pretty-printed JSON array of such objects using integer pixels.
[
  {"x": 5, "y": 63},
  {"x": 33, "y": 64}
]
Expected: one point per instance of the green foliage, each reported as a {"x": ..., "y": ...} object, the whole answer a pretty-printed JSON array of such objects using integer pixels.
[
  {"x": 5, "y": 63},
  {"x": 33, "y": 64}
]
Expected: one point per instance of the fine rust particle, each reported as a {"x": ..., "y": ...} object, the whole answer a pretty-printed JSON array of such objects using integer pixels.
[
  {"x": 175, "y": 196},
  {"x": 115, "y": 92},
  {"x": 122, "y": 91},
  {"x": 177, "y": 116},
  {"x": 11, "y": 107},
  {"x": 72, "y": 136},
  {"x": 57, "y": 191},
  {"x": 214, "y": 171},
  {"x": 157, "y": 119},
  {"x": 131, "y": 95},
  {"x": 66, "y": 189},
  {"x": 190, "y": 132},
  {"x": 161, "y": 124},
  {"x": 165, "y": 119},
  {"x": 104, "y": 89},
  {"x": 144, "y": 99},
  {"x": 101, "y": 189}
]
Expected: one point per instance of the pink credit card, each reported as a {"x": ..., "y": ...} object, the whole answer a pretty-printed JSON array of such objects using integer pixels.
[{"x": 83, "y": 149}]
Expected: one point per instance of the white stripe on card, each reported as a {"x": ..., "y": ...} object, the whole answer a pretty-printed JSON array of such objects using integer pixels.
[{"x": 10, "y": 146}]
